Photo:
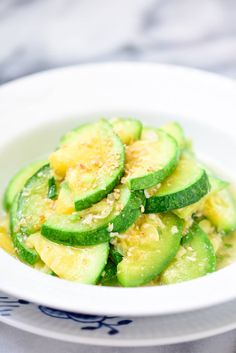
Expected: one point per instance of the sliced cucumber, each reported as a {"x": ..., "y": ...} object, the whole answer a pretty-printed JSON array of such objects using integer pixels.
[
  {"x": 175, "y": 130},
  {"x": 109, "y": 275},
  {"x": 215, "y": 237},
  {"x": 91, "y": 159},
  {"x": 196, "y": 258},
  {"x": 216, "y": 185},
  {"x": 18, "y": 181},
  {"x": 149, "y": 161},
  {"x": 27, "y": 209},
  {"x": 83, "y": 265},
  {"x": 42, "y": 267},
  {"x": 148, "y": 246},
  {"x": 187, "y": 185},
  {"x": 52, "y": 188},
  {"x": 33, "y": 204},
  {"x": 92, "y": 226},
  {"x": 129, "y": 130},
  {"x": 115, "y": 256},
  {"x": 65, "y": 201},
  {"x": 23, "y": 251},
  {"x": 220, "y": 209},
  {"x": 226, "y": 253}
]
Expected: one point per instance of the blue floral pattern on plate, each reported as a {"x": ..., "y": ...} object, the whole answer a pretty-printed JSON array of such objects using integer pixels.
[
  {"x": 8, "y": 305},
  {"x": 89, "y": 322}
]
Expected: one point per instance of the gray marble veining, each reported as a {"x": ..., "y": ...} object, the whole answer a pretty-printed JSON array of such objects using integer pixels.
[{"x": 40, "y": 34}]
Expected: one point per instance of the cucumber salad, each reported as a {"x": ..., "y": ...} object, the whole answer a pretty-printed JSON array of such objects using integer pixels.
[{"x": 120, "y": 204}]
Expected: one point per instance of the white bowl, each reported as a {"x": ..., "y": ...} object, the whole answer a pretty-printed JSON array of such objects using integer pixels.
[{"x": 35, "y": 111}]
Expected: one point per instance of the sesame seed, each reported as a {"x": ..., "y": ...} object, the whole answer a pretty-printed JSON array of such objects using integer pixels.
[
  {"x": 114, "y": 234},
  {"x": 110, "y": 227},
  {"x": 147, "y": 195},
  {"x": 174, "y": 230},
  {"x": 192, "y": 259}
]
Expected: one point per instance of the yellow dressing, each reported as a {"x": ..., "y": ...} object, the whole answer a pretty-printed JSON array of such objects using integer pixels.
[{"x": 5, "y": 239}]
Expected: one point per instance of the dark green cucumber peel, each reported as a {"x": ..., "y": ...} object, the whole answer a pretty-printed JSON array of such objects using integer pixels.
[
  {"x": 51, "y": 231},
  {"x": 198, "y": 260},
  {"x": 52, "y": 188},
  {"x": 182, "y": 198},
  {"x": 154, "y": 178},
  {"x": 93, "y": 197},
  {"x": 18, "y": 181},
  {"x": 109, "y": 275},
  {"x": 115, "y": 256},
  {"x": 26, "y": 254},
  {"x": 69, "y": 230},
  {"x": 23, "y": 207},
  {"x": 32, "y": 200},
  {"x": 151, "y": 179},
  {"x": 216, "y": 185}
]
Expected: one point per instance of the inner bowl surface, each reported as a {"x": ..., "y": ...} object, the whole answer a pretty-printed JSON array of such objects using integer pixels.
[{"x": 36, "y": 111}]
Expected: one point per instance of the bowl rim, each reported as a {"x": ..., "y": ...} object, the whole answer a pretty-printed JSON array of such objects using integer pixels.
[{"x": 107, "y": 92}]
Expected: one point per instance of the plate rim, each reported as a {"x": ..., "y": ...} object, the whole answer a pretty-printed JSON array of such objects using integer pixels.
[{"x": 135, "y": 342}]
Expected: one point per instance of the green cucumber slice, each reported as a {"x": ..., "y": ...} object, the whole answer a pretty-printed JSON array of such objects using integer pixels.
[
  {"x": 83, "y": 265},
  {"x": 175, "y": 130},
  {"x": 65, "y": 201},
  {"x": 129, "y": 130},
  {"x": 226, "y": 252},
  {"x": 216, "y": 184},
  {"x": 52, "y": 188},
  {"x": 196, "y": 258},
  {"x": 26, "y": 254},
  {"x": 28, "y": 212},
  {"x": 18, "y": 181},
  {"x": 150, "y": 160},
  {"x": 40, "y": 266},
  {"x": 215, "y": 237},
  {"x": 220, "y": 209},
  {"x": 33, "y": 203},
  {"x": 91, "y": 159},
  {"x": 92, "y": 226},
  {"x": 109, "y": 275},
  {"x": 148, "y": 247},
  {"x": 187, "y": 185},
  {"x": 115, "y": 256}
]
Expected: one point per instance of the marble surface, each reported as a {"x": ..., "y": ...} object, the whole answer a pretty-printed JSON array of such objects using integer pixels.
[{"x": 41, "y": 34}]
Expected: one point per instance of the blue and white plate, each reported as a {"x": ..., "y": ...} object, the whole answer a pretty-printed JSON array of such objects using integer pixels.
[{"x": 115, "y": 330}]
